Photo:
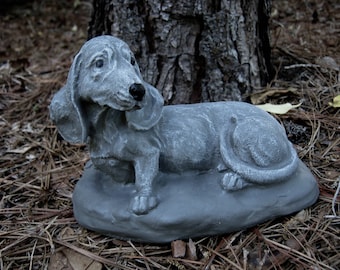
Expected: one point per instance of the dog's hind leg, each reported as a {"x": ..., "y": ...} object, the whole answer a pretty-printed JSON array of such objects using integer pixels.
[{"x": 232, "y": 181}]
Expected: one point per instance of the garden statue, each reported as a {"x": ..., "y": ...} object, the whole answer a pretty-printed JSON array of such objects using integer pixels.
[{"x": 159, "y": 173}]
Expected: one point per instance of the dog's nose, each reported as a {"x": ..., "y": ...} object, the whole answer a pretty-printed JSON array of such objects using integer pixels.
[{"x": 137, "y": 91}]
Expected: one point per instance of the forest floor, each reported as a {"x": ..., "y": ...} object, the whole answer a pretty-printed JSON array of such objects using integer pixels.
[{"x": 38, "y": 170}]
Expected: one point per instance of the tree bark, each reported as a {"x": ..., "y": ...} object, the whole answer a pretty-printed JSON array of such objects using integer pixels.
[{"x": 193, "y": 51}]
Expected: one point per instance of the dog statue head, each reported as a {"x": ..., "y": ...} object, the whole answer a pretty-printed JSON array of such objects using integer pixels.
[{"x": 104, "y": 72}]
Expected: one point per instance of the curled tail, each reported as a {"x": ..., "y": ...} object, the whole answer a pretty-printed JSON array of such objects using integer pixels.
[{"x": 258, "y": 150}]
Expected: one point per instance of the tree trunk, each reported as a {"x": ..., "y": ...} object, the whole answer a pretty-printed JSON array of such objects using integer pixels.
[{"x": 193, "y": 51}]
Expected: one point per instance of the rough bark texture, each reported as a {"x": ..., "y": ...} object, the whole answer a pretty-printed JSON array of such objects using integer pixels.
[{"x": 193, "y": 51}]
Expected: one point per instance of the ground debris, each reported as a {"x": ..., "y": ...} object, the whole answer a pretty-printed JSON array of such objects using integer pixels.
[{"x": 178, "y": 248}]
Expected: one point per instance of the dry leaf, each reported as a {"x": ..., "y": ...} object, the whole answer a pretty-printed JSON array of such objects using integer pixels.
[
  {"x": 300, "y": 217},
  {"x": 277, "y": 109},
  {"x": 80, "y": 262},
  {"x": 260, "y": 97},
  {"x": 70, "y": 260},
  {"x": 191, "y": 251},
  {"x": 67, "y": 233},
  {"x": 336, "y": 102},
  {"x": 178, "y": 248},
  {"x": 293, "y": 244},
  {"x": 59, "y": 261},
  {"x": 332, "y": 174},
  {"x": 328, "y": 62}
]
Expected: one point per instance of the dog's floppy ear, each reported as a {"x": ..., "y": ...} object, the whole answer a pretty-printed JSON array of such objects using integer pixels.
[
  {"x": 65, "y": 109},
  {"x": 150, "y": 113}
]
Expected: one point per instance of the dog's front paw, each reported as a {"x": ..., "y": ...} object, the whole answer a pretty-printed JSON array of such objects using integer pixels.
[
  {"x": 232, "y": 182},
  {"x": 142, "y": 204}
]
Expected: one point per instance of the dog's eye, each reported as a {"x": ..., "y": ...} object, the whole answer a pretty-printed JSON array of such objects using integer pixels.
[
  {"x": 133, "y": 61},
  {"x": 99, "y": 63}
]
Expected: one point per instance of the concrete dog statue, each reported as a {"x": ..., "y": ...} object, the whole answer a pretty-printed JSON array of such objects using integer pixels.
[{"x": 132, "y": 136}]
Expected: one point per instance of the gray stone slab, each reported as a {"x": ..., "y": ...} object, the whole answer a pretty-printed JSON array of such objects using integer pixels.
[{"x": 190, "y": 206}]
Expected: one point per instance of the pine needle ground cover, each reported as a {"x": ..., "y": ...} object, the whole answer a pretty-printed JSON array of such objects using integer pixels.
[{"x": 38, "y": 170}]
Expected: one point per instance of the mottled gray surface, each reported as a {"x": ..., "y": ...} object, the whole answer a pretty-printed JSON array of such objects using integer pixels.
[
  {"x": 189, "y": 206},
  {"x": 170, "y": 155}
]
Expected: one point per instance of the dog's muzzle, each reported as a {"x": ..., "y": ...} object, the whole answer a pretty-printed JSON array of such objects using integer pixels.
[{"x": 137, "y": 91}]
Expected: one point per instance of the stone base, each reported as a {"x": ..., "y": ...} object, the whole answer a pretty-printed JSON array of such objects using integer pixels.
[{"x": 189, "y": 205}]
